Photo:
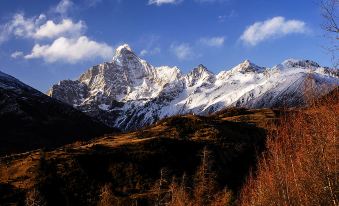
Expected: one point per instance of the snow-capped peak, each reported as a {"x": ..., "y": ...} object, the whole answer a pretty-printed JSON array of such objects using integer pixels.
[
  {"x": 199, "y": 75},
  {"x": 129, "y": 93},
  {"x": 201, "y": 69},
  {"x": 124, "y": 47},
  {"x": 131, "y": 64},
  {"x": 123, "y": 54},
  {"x": 247, "y": 66},
  {"x": 296, "y": 63}
]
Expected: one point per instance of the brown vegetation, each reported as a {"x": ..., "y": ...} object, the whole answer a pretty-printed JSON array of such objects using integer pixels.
[
  {"x": 123, "y": 169},
  {"x": 301, "y": 164},
  {"x": 198, "y": 190}
]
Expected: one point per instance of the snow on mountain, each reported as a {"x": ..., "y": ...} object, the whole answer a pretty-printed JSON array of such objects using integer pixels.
[{"x": 129, "y": 93}]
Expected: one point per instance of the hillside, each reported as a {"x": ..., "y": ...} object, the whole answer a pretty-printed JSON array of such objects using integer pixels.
[
  {"x": 131, "y": 162},
  {"x": 30, "y": 119}
]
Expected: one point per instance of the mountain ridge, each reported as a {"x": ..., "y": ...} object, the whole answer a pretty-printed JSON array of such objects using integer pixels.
[
  {"x": 32, "y": 120},
  {"x": 130, "y": 93}
]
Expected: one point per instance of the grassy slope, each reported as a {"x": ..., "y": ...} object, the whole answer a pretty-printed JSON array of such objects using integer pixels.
[{"x": 131, "y": 161}]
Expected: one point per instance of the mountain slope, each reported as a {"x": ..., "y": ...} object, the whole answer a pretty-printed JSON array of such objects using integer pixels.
[
  {"x": 129, "y": 93},
  {"x": 30, "y": 119},
  {"x": 131, "y": 162}
]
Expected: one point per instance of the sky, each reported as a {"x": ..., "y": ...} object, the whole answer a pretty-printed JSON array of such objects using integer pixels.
[{"x": 43, "y": 42}]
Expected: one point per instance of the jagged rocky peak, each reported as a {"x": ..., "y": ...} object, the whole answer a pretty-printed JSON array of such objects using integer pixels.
[
  {"x": 199, "y": 74},
  {"x": 296, "y": 63},
  {"x": 247, "y": 66},
  {"x": 200, "y": 71},
  {"x": 69, "y": 91},
  {"x": 116, "y": 78},
  {"x": 131, "y": 64},
  {"x": 124, "y": 52}
]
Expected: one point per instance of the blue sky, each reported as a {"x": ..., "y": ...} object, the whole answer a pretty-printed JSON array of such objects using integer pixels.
[{"x": 42, "y": 42}]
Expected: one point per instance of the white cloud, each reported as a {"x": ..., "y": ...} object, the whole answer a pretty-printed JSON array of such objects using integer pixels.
[
  {"x": 16, "y": 54},
  {"x": 150, "y": 52},
  {"x": 161, "y": 2},
  {"x": 221, "y": 18},
  {"x": 151, "y": 45},
  {"x": 71, "y": 50},
  {"x": 182, "y": 51},
  {"x": 66, "y": 27},
  {"x": 4, "y": 34},
  {"x": 272, "y": 28},
  {"x": 63, "y": 7},
  {"x": 38, "y": 28},
  {"x": 213, "y": 41},
  {"x": 143, "y": 52},
  {"x": 231, "y": 14},
  {"x": 41, "y": 19},
  {"x": 20, "y": 26}
]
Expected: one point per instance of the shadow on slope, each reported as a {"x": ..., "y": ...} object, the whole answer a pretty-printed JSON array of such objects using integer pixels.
[{"x": 131, "y": 162}]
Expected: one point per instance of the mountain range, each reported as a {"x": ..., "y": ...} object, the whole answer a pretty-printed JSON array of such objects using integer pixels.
[{"x": 129, "y": 93}]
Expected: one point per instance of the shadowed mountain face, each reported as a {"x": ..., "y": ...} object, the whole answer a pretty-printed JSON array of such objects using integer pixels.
[
  {"x": 129, "y": 93},
  {"x": 30, "y": 119},
  {"x": 131, "y": 162}
]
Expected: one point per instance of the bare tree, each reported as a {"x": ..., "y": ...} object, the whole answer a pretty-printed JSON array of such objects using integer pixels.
[
  {"x": 330, "y": 9},
  {"x": 204, "y": 186},
  {"x": 34, "y": 198},
  {"x": 329, "y": 12},
  {"x": 107, "y": 197},
  {"x": 160, "y": 188}
]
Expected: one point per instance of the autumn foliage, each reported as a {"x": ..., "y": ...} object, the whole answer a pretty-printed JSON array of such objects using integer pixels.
[{"x": 300, "y": 166}]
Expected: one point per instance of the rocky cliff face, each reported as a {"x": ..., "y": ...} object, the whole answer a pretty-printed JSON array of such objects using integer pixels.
[{"x": 129, "y": 93}]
